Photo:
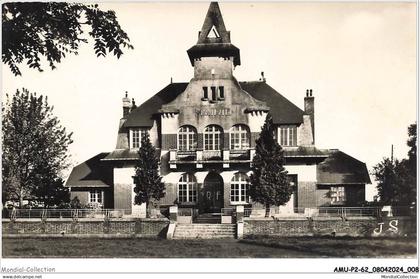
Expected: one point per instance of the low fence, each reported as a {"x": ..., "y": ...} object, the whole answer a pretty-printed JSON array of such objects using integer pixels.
[
  {"x": 84, "y": 227},
  {"x": 333, "y": 226},
  {"x": 71, "y": 213}
]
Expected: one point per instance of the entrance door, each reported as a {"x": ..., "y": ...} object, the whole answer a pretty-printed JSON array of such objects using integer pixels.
[{"x": 212, "y": 194}]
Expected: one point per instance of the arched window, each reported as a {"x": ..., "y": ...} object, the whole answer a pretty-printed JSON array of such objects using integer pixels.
[
  {"x": 213, "y": 137},
  {"x": 187, "y": 188},
  {"x": 187, "y": 138},
  {"x": 239, "y": 188},
  {"x": 239, "y": 137}
]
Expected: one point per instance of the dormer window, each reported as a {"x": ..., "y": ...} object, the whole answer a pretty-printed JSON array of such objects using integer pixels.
[
  {"x": 287, "y": 135},
  {"x": 136, "y": 135}
]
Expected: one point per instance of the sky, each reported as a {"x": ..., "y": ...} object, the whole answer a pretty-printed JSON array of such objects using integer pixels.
[{"x": 359, "y": 59}]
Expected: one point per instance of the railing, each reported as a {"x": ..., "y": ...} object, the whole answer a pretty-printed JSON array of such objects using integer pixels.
[
  {"x": 247, "y": 212},
  {"x": 187, "y": 211},
  {"x": 210, "y": 155},
  {"x": 348, "y": 211},
  {"x": 63, "y": 213},
  {"x": 239, "y": 154},
  {"x": 185, "y": 155},
  {"x": 329, "y": 212},
  {"x": 228, "y": 211}
]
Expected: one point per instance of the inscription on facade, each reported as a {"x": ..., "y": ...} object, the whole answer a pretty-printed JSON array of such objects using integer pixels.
[{"x": 213, "y": 112}]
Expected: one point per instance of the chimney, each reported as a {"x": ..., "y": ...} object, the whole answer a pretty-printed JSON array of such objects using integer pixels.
[
  {"x": 133, "y": 104},
  {"x": 126, "y": 105},
  {"x": 310, "y": 110},
  {"x": 262, "y": 77}
]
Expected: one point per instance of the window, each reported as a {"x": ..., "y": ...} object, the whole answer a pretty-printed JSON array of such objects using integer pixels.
[
  {"x": 213, "y": 93},
  {"x": 239, "y": 188},
  {"x": 95, "y": 196},
  {"x": 338, "y": 195},
  {"x": 187, "y": 188},
  {"x": 221, "y": 92},
  {"x": 287, "y": 135},
  {"x": 187, "y": 138},
  {"x": 136, "y": 136},
  {"x": 239, "y": 137},
  {"x": 205, "y": 93},
  {"x": 213, "y": 138}
]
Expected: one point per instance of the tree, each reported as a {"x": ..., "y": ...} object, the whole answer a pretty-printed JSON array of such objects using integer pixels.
[
  {"x": 34, "y": 150},
  {"x": 148, "y": 184},
  {"x": 397, "y": 179},
  {"x": 269, "y": 181},
  {"x": 51, "y": 30}
]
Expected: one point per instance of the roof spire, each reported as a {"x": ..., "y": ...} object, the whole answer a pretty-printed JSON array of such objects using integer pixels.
[
  {"x": 214, "y": 39},
  {"x": 213, "y": 29}
]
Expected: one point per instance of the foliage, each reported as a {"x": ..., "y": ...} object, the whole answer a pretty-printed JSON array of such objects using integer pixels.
[
  {"x": 269, "y": 181},
  {"x": 51, "y": 30},
  {"x": 147, "y": 179},
  {"x": 397, "y": 179},
  {"x": 34, "y": 150}
]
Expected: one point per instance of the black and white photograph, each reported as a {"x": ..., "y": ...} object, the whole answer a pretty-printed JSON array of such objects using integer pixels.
[{"x": 281, "y": 132}]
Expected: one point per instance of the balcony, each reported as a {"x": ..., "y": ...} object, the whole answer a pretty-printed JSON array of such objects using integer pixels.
[{"x": 200, "y": 157}]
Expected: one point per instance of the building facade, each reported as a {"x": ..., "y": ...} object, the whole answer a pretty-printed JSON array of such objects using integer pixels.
[{"x": 205, "y": 131}]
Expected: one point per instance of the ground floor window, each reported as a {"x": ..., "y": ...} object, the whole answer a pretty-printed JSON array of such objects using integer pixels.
[
  {"x": 239, "y": 188},
  {"x": 96, "y": 196},
  {"x": 338, "y": 195},
  {"x": 187, "y": 188}
]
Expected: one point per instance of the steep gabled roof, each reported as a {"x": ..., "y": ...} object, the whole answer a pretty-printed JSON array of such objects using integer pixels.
[
  {"x": 91, "y": 173},
  {"x": 142, "y": 116},
  {"x": 282, "y": 110}
]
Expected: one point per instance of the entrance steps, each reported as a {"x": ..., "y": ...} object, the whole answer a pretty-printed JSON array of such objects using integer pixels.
[{"x": 204, "y": 231}]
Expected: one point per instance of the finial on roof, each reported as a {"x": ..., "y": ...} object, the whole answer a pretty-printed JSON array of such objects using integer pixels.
[{"x": 126, "y": 94}]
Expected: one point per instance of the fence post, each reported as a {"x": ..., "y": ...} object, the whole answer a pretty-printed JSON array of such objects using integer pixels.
[
  {"x": 173, "y": 213},
  {"x": 240, "y": 221}
]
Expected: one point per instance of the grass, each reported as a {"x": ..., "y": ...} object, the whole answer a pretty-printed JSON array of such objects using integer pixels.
[{"x": 261, "y": 247}]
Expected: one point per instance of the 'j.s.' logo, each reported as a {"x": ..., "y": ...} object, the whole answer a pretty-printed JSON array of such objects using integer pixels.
[{"x": 393, "y": 227}]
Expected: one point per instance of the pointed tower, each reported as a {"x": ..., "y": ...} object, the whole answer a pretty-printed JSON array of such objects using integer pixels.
[{"x": 213, "y": 39}]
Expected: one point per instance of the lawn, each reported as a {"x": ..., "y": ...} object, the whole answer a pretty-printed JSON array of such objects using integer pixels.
[{"x": 268, "y": 247}]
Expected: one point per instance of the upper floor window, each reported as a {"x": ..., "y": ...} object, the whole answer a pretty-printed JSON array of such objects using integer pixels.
[
  {"x": 136, "y": 136},
  {"x": 213, "y": 93},
  {"x": 287, "y": 135},
  {"x": 221, "y": 93},
  {"x": 338, "y": 195},
  {"x": 239, "y": 188},
  {"x": 213, "y": 137},
  {"x": 239, "y": 137},
  {"x": 187, "y": 188},
  {"x": 205, "y": 93},
  {"x": 187, "y": 138}
]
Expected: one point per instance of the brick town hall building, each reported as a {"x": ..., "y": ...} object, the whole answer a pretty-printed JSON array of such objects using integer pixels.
[{"x": 205, "y": 131}]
